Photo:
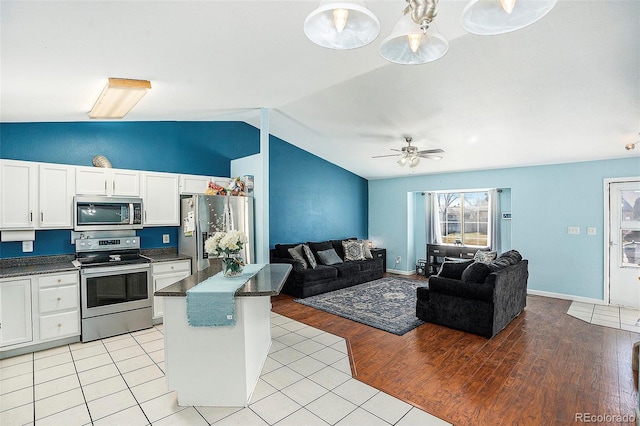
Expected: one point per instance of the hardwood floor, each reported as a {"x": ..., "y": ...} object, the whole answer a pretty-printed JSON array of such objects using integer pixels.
[{"x": 542, "y": 369}]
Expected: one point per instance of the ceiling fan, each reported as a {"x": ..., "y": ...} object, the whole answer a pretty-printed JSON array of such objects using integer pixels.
[{"x": 410, "y": 154}]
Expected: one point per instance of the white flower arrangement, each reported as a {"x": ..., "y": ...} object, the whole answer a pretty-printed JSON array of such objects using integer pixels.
[{"x": 225, "y": 243}]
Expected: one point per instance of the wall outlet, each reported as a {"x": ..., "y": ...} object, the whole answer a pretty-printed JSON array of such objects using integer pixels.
[
  {"x": 165, "y": 238},
  {"x": 27, "y": 246},
  {"x": 398, "y": 259},
  {"x": 591, "y": 230},
  {"x": 573, "y": 230}
]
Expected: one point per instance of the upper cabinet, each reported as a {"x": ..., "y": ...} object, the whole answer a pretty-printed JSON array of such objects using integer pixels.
[
  {"x": 18, "y": 194},
  {"x": 106, "y": 181},
  {"x": 55, "y": 195},
  {"x": 161, "y": 199},
  {"x": 194, "y": 184}
]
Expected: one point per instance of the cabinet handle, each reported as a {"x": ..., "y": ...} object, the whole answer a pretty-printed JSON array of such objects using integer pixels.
[
  {"x": 41, "y": 216},
  {"x": 172, "y": 267},
  {"x": 59, "y": 280},
  {"x": 105, "y": 186},
  {"x": 31, "y": 216},
  {"x": 113, "y": 186},
  {"x": 59, "y": 299},
  {"x": 59, "y": 325}
]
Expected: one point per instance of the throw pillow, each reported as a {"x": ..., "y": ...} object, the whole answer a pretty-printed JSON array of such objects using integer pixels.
[
  {"x": 513, "y": 255},
  {"x": 485, "y": 256},
  {"x": 454, "y": 269},
  {"x": 477, "y": 272},
  {"x": 329, "y": 257},
  {"x": 310, "y": 257},
  {"x": 353, "y": 250},
  {"x": 367, "y": 250},
  {"x": 297, "y": 253}
]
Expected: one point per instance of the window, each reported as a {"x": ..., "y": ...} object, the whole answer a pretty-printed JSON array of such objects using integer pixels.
[{"x": 464, "y": 218}]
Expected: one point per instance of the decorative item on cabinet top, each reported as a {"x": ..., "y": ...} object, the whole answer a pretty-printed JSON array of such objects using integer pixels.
[{"x": 101, "y": 161}]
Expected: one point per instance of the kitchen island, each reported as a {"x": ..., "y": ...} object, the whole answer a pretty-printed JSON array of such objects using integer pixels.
[{"x": 219, "y": 366}]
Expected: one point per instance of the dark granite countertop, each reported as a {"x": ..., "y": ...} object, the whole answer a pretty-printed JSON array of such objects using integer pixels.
[
  {"x": 37, "y": 265},
  {"x": 267, "y": 282}
]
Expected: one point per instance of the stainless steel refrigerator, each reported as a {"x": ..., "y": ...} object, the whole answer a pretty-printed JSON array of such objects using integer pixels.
[{"x": 203, "y": 215}]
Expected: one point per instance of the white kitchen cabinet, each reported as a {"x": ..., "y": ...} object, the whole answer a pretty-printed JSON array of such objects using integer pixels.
[
  {"x": 58, "y": 305},
  {"x": 106, "y": 181},
  {"x": 55, "y": 195},
  {"x": 15, "y": 312},
  {"x": 18, "y": 194},
  {"x": 161, "y": 199},
  {"x": 195, "y": 184},
  {"x": 165, "y": 274}
]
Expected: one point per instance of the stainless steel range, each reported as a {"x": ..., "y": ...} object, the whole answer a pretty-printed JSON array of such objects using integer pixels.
[{"x": 115, "y": 287}]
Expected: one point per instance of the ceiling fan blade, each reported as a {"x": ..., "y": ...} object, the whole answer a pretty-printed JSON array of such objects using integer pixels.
[
  {"x": 431, "y": 151},
  {"x": 392, "y": 149},
  {"x": 430, "y": 156},
  {"x": 389, "y": 155}
]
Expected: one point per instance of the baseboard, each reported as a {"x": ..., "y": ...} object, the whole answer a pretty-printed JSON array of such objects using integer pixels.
[
  {"x": 565, "y": 297},
  {"x": 399, "y": 272}
]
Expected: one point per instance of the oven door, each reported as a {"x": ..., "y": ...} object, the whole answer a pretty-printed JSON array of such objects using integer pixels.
[{"x": 110, "y": 289}]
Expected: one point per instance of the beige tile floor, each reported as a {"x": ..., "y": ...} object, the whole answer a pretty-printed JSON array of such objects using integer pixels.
[
  {"x": 607, "y": 316},
  {"x": 306, "y": 380}
]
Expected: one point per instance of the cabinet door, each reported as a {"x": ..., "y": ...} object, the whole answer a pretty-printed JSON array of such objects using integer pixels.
[
  {"x": 91, "y": 181},
  {"x": 161, "y": 199},
  {"x": 15, "y": 312},
  {"x": 192, "y": 184},
  {"x": 55, "y": 195},
  {"x": 161, "y": 282},
  {"x": 125, "y": 183},
  {"x": 19, "y": 194}
]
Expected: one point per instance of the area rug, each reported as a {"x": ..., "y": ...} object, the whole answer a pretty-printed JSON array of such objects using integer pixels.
[{"x": 388, "y": 304}]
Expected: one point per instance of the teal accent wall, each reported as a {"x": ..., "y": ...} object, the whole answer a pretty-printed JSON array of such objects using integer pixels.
[
  {"x": 544, "y": 201},
  {"x": 311, "y": 199}
]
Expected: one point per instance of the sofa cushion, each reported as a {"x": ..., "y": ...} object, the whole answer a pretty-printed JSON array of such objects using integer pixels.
[
  {"x": 367, "y": 250},
  {"x": 319, "y": 246},
  {"x": 454, "y": 269},
  {"x": 477, "y": 272},
  {"x": 353, "y": 250},
  {"x": 485, "y": 256},
  {"x": 282, "y": 250},
  {"x": 369, "y": 264},
  {"x": 297, "y": 253},
  {"x": 310, "y": 257},
  {"x": 319, "y": 273},
  {"x": 329, "y": 257},
  {"x": 498, "y": 264},
  {"x": 346, "y": 269}
]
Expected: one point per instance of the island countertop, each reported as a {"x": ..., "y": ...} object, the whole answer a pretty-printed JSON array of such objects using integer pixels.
[{"x": 267, "y": 282}]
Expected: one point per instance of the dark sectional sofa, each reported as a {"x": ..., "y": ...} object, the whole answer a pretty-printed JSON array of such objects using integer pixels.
[
  {"x": 304, "y": 282},
  {"x": 476, "y": 297}
]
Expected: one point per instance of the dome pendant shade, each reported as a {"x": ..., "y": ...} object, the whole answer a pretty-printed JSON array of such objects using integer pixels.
[
  {"x": 342, "y": 25},
  {"x": 399, "y": 46},
  {"x": 488, "y": 17}
]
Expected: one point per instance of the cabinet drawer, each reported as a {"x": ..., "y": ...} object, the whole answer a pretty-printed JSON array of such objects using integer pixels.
[
  {"x": 60, "y": 325},
  {"x": 58, "y": 298},
  {"x": 58, "y": 279},
  {"x": 170, "y": 267}
]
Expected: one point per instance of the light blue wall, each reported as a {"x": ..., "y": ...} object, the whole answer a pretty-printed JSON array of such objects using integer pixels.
[
  {"x": 311, "y": 199},
  {"x": 545, "y": 200}
]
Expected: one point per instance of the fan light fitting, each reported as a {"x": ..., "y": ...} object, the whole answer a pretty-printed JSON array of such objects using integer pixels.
[
  {"x": 349, "y": 25},
  {"x": 118, "y": 97}
]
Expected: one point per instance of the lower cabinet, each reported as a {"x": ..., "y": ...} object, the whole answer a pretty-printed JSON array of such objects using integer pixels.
[
  {"x": 38, "y": 309},
  {"x": 15, "y": 312},
  {"x": 165, "y": 274}
]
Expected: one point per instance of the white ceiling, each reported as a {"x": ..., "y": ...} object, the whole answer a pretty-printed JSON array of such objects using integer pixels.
[{"x": 564, "y": 89}]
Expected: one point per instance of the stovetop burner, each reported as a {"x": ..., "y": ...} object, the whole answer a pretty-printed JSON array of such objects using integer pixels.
[{"x": 109, "y": 251}]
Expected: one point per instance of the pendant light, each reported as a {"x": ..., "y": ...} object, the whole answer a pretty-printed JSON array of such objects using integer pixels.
[
  {"x": 492, "y": 17},
  {"x": 409, "y": 44},
  {"x": 341, "y": 25}
]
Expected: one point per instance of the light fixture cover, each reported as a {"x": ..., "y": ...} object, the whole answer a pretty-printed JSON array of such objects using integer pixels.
[
  {"x": 487, "y": 17},
  {"x": 118, "y": 97},
  {"x": 362, "y": 26},
  {"x": 396, "y": 48}
]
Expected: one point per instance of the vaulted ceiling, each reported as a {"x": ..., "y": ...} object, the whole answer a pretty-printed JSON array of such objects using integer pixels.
[{"x": 564, "y": 89}]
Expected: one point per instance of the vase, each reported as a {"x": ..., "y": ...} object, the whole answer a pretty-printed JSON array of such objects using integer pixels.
[{"x": 232, "y": 265}]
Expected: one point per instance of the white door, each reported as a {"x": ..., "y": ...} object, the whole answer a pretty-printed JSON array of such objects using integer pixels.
[
  {"x": 56, "y": 190},
  {"x": 18, "y": 195},
  {"x": 15, "y": 312},
  {"x": 624, "y": 243},
  {"x": 161, "y": 199}
]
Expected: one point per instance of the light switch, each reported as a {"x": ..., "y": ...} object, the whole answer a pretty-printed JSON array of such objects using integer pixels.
[
  {"x": 27, "y": 246},
  {"x": 573, "y": 230},
  {"x": 165, "y": 238}
]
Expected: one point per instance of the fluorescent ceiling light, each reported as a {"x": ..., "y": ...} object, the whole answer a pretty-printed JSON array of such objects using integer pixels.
[{"x": 118, "y": 97}]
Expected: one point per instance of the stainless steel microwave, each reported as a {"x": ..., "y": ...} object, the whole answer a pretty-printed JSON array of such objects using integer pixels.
[{"x": 106, "y": 213}]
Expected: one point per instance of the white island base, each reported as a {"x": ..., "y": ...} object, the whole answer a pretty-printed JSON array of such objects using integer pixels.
[{"x": 216, "y": 366}]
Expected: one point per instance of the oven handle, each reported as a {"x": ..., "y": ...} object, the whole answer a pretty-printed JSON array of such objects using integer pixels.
[{"x": 117, "y": 268}]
